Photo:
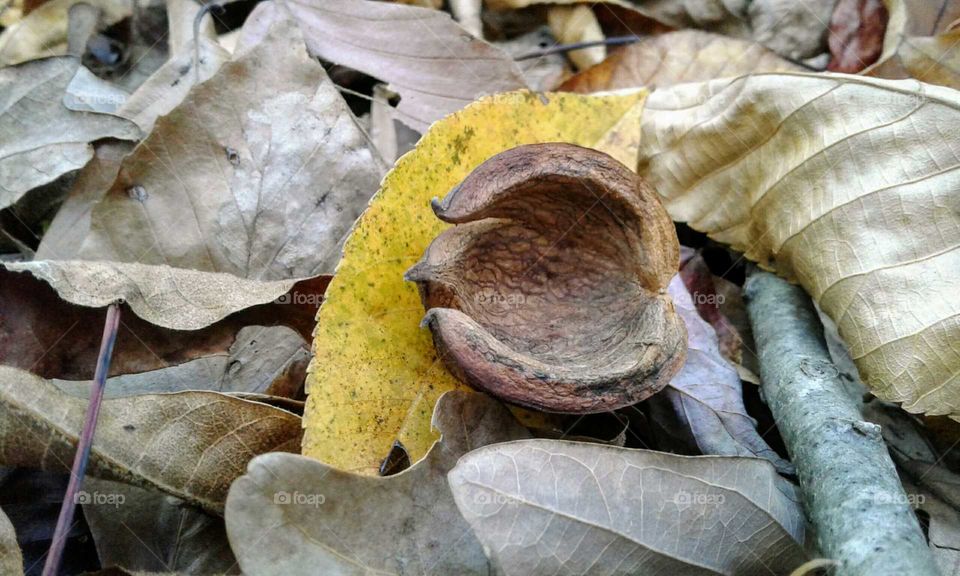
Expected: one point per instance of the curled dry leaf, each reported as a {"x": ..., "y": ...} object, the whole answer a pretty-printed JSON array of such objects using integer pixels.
[
  {"x": 436, "y": 66},
  {"x": 11, "y": 560},
  {"x": 294, "y": 515},
  {"x": 177, "y": 298},
  {"x": 555, "y": 507},
  {"x": 677, "y": 57},
  {"x": 874, "y": 243},
  {"x": 43, "y": 139},
  {"x": 45, "y": 335},
  {"x": 367, "y": 331},
  {"x": 149, "y": 531},
  {"x": 190, "y": 445},
  {"x": 550, "y": 291},
  {"x": 705, "y": 399},
  {"x": 918, "y": 44}
]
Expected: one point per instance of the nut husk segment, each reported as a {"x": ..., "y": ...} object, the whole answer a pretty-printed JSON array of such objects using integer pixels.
[{"x": 550, "y": 292}]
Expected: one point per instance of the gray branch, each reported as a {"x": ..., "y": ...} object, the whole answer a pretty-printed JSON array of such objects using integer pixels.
[{"x": 850, "y": 487}]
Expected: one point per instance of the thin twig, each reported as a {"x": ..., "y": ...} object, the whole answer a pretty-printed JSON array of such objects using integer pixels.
[
  {"x": 84, "y": 443},
  {"x": 560, "y": 48}
]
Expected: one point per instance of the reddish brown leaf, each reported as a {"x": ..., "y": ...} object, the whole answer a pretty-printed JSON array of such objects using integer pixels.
[{"x": 857, "y": 30}]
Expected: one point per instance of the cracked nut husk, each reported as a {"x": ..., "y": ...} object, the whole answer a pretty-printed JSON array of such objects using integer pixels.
[{"x": 550, "y": 291}]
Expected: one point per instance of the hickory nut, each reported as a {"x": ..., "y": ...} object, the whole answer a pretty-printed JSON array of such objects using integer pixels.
[{"x": 550, "y": 291}]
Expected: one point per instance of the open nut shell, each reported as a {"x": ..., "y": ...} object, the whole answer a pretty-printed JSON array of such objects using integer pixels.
[{"x": 550, "y": 292}]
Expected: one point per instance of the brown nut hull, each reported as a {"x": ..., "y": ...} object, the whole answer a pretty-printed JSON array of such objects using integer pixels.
[{"x": 550, "y": 291}]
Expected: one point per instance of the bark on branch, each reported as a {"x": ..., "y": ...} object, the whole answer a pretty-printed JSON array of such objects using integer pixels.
[{"x": 849, "y": 484}]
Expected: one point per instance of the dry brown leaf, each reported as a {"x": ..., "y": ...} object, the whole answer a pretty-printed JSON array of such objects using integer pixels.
[
  {"x": 259, "y": 174},
  {"x": 43, "y": 32},
  {"x": 554, "y": 507},
  {"x": 43, "y": 139},
  {"x": 166, "y": 88},
  {"x": 176, "y": 298},
  {"x": 702, "y": 286},
  {"x": 71, "y": 224},
  {"x": 859, "y": 208},
  {"x": 856, "y": 34},
  {"x": 149, "y": 531},
  {"x": 674, "y": 58},
  {"x": 796, "y": 30},
  {"x": 436, "y": 66},
  {"x": 190, "y": 445},
  {"x": 928, "y": 17},
  {"x": 726, "y": 17},
  {"x": 262, "y": 360},
  {"x": 11, "y": 560},
  {"x": 43, "y": 334},
  {"x": 932, "y": 56},
  {"x": 294, "y": 515}
]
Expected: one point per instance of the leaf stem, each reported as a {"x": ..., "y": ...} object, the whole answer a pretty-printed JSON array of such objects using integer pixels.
[{"x": 65, "y": 520}]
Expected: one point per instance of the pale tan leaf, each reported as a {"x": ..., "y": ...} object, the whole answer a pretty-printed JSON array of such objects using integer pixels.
[
  {"x": 436, "y": 66},
  {"x": 190, "y": 445},
  {"x": 42, "y": 138},
  {"x": 294, "y": 515},
  {"x": 677, "y": 57},
  {"x": 555, "y": 507},
  {"x": 845, "y": 184}
]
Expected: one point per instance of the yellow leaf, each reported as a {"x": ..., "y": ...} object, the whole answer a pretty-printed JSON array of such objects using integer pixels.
[
  {"x": 375, "y": 376},
  {"x": 849, "y": 186}
]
